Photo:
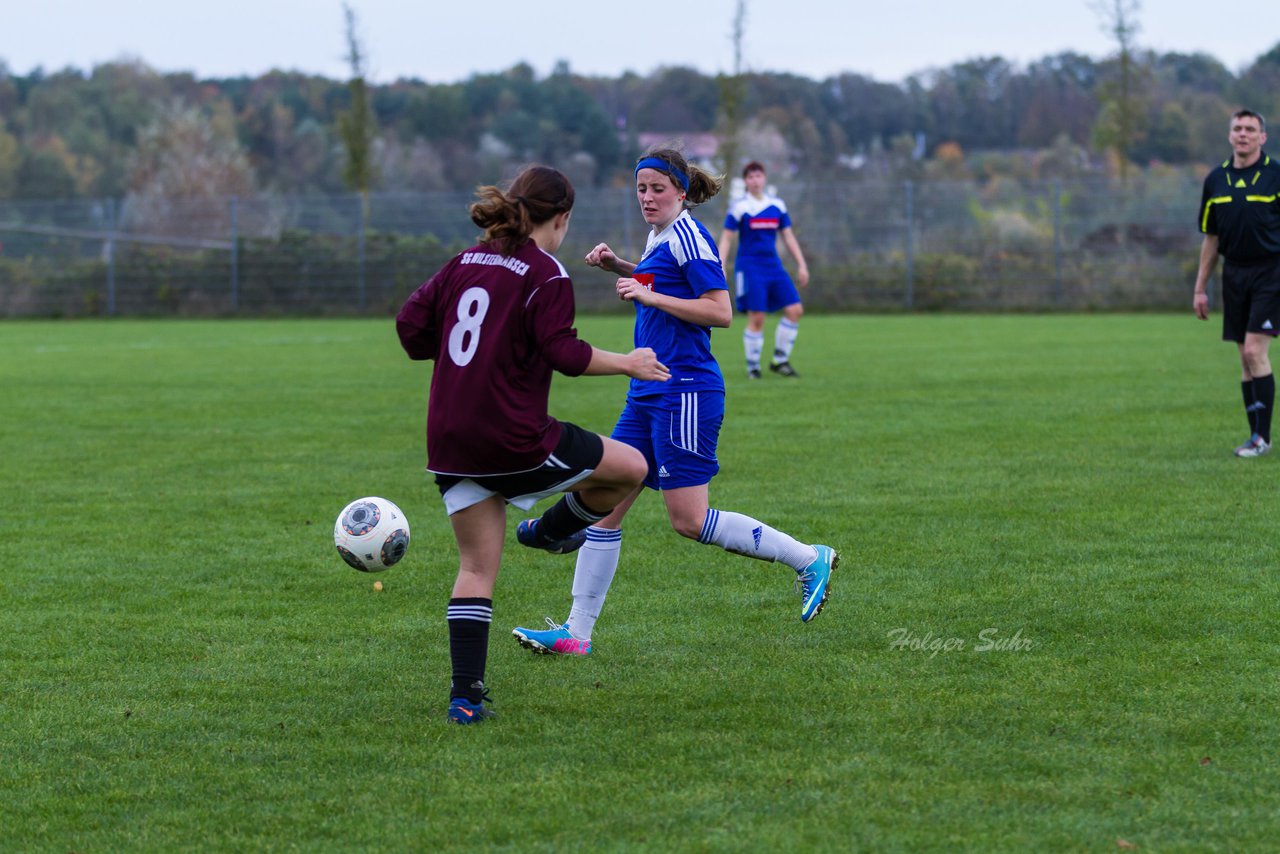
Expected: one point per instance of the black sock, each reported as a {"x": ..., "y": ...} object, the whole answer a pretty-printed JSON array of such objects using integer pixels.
[
  {"x": 1246, "y": 388},
  {"x": 1247, "y": 392},
  {"x": 567, "y": 516},
  {"x": 1264, "y": 393},
  {"x": 469, "y": 620}
]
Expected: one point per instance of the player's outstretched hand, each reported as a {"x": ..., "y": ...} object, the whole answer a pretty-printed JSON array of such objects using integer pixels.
[
  {"x": 1201, "y": 305},
  {"x": 643, "y": 364},
  {"x": 602, "y": 256}
]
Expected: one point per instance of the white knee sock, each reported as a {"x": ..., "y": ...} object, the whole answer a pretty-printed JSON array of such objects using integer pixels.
[
  {"x": 743, "y": 535},
  {"x": 752, "y": 345},
  {"x": 592, "y": 575},
  {"x": 784, "y": 338}
]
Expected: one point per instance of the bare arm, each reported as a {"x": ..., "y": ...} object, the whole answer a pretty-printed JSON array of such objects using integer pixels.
[
  {"x": 710, "y": 309},
  {"x": 793, "y": 246},
  {"x": 1208, "y": 261},
  {"x": 641, "y": 363},
  {"x": 724, "y": 246}
]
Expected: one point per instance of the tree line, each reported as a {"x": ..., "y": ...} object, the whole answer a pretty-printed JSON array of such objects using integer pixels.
[{"x": 125, "y": 129}]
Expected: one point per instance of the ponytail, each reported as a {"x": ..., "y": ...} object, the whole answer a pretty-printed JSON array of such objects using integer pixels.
[{"x": 508, "y": 217}]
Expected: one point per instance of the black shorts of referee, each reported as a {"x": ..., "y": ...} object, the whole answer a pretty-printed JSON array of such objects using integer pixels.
[{"x": 1250, "y": 299}]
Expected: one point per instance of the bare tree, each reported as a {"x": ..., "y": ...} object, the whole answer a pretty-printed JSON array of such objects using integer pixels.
[
  {"x": 732, "y": 94},
  {"x": 356, "y": 125},
  {"x": 1120, "y": 121},
  {"x": 185, "y": 167}
]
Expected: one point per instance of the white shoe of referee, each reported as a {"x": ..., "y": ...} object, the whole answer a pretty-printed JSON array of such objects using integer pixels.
[{"x": 1255, "y": 447}]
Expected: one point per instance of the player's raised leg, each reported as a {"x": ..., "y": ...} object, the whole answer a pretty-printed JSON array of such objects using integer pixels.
[{"x": 615, "y": 473}]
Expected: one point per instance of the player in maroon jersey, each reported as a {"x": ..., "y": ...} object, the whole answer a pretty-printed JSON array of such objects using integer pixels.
[{"x": 497, "y": 320}]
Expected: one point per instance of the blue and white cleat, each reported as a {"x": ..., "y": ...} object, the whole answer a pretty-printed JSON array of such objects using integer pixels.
[
  {"x": 528, "y": 535},
  {"x": 814, "y": 582},
  {"x": 555, "y": 640}
]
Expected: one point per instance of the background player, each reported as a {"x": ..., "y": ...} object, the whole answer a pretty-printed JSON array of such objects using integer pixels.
[
  {"x": 1240, "y": 218},
  {"x": 761, "y": 281},
  {"x": 679, "y": 292},
  {"x": 497, "y": 319}
]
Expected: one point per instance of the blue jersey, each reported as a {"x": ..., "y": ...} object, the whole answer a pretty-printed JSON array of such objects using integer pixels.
[
  {"x": 683, "y": 262},
  {"x": 757, "y": 222}
]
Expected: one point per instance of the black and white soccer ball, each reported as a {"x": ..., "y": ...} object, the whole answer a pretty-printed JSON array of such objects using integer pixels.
[{"x": 371, "y": 534}]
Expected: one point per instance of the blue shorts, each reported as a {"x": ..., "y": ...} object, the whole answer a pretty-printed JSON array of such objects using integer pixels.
[
  {"x": 677, "y": 433},
  {"x": 764, "y": 287}
]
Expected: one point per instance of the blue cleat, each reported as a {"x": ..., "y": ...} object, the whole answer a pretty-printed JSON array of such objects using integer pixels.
[
  {"x": 527, "y": 534},
  {"x": 463, "y": 711},
  {"x": 555, "y": 640},
  {"x": 814, "y": 582}
]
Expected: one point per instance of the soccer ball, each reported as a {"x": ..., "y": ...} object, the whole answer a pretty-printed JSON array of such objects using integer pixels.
[{"x": 371, "y": 534}]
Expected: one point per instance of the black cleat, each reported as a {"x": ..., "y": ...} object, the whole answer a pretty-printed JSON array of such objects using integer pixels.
[{"x": 528, "y": 535}]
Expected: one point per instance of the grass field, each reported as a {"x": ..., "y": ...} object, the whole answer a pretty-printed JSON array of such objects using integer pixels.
[{"x": 189, "y": 666}]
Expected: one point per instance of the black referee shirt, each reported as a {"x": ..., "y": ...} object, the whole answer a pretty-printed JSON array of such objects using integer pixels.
[{"x": 1242, "y": 207}]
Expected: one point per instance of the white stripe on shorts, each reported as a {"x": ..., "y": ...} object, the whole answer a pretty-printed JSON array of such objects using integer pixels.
[{"x": 689, "y": 421}]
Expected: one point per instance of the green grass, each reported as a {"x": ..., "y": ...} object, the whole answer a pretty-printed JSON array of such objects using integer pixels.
[{"x": 189, "y": 666}]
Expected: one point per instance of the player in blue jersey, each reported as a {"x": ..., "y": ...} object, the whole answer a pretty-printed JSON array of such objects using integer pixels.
[
  {"x": 762, "y": 283},
  {"x": 679, "y": 292}
]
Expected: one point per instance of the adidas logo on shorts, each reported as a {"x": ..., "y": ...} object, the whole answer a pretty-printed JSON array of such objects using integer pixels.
[{"x": 662, "y": 471}]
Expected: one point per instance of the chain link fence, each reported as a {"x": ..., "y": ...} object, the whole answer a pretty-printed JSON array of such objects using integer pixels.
[{"x": 999, "y": 246}]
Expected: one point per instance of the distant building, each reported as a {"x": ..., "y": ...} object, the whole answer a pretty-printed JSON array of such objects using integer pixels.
[{"x": 699, "y": 147}]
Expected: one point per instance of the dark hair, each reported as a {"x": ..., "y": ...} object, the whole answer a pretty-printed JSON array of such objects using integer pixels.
[
  {"x": 753, "y": 166},
  {"x": 702, "y": 184},
  {"x": 1241, "y": 114},
  {"x": 536, "y": 195}
]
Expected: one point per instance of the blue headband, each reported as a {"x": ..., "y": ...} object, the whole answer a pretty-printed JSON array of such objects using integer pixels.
[{"x": 663, "y": 166}]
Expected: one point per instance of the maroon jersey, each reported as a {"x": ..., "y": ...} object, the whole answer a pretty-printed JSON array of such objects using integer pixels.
[{"x": 496, "y": 326}]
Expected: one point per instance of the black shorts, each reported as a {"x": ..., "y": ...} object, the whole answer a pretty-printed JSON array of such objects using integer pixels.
[
  {"x": 575, "y": 458},
  {"x": 1250, "y": 299}
]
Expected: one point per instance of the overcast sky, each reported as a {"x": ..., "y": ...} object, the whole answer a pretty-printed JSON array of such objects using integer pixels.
[{"x": 440, "y": 41}]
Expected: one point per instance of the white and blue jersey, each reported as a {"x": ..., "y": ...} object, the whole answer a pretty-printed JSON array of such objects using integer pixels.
[
  {"x": 761, "y": 282},
  {"x": 757, "y": 222},
  {"x": 680, "y": 261}
]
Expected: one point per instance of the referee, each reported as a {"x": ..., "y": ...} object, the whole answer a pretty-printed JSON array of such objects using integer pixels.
[{"x": 1240, "y": 219}]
